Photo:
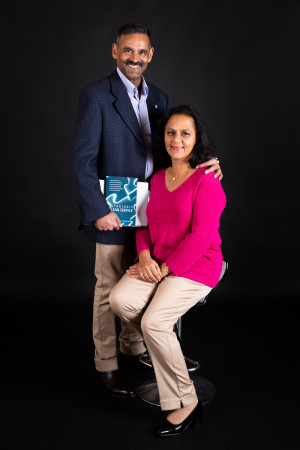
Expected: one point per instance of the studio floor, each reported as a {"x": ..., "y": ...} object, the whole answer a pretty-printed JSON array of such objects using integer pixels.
[{"x": 50, "y": 400}]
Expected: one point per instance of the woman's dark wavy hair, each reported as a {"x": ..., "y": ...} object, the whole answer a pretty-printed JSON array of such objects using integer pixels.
[{"x": 203, "y": 149}]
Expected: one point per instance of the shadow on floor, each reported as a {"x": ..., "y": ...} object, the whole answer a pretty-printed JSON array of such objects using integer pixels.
[{"x": 51, "y": 402}]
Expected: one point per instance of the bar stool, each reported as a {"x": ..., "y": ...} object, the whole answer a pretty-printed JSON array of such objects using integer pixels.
[{"x": 148, "y": 391}]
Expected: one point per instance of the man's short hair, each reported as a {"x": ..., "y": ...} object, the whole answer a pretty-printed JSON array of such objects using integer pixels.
[{"x": 132, "y": 28}]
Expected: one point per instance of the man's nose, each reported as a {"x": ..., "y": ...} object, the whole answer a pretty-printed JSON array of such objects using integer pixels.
[{"x": 135, "y": 57}]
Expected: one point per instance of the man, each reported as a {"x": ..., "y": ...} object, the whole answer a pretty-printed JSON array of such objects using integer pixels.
[{"x": 113, "y": 137}]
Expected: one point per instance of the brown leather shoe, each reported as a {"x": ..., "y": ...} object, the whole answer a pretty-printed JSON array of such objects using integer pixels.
[{"x": 115, "y": 384}]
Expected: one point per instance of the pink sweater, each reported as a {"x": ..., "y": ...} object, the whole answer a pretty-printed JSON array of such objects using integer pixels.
[{"x": 183, "y": 226}]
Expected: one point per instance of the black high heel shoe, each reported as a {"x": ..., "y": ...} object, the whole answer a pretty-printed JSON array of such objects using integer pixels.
[{"x": 168, "y": 429}]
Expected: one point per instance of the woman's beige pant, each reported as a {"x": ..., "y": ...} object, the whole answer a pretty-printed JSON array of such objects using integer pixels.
[{"x": 153, "y": 309}]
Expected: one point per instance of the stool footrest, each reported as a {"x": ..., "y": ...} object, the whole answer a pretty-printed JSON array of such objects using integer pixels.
[{"x": 191, "y": 364}]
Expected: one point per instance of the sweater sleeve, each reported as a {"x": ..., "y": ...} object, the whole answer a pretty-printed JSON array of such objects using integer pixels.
[
  {"x": 143, "y": 241},
  {"x": 208, "y": 205}
]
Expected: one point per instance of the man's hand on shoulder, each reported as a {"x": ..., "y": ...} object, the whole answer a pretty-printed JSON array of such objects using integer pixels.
[
  {"x": 108, "y": 223},
  {"x": 213, "y": 165}
]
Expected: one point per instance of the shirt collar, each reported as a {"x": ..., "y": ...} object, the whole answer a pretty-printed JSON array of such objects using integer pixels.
[{"x": 131, "y": 89}]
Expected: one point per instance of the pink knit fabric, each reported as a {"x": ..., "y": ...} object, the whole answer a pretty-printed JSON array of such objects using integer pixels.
[{"x": 183, "y": 226}]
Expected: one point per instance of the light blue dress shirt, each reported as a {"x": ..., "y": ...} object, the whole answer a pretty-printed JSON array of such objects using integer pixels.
[{"x": 141, "y": 112}]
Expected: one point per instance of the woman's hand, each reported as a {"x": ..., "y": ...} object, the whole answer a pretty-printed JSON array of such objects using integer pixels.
[
  {"x": 213, "y": 165},
  {"x": 147, "y": 269}
]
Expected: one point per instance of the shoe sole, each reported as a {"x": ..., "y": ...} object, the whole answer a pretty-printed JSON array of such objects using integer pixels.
[{"x": 113, "y": 394}]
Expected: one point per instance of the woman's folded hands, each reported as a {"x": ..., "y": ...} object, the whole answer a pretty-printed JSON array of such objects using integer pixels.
[{"x": 147, "y": 269}]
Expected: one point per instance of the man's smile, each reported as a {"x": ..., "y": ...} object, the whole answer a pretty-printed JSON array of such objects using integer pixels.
[{"x": 133, "y": 67}]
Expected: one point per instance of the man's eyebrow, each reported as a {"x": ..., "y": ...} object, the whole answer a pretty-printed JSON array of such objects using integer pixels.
[{"x": 139, "y": 49}]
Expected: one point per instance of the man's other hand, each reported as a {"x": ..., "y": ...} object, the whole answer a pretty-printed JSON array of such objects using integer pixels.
[
  {"x": 108, "y": 223},
  {"x": 213, "y": 165}
]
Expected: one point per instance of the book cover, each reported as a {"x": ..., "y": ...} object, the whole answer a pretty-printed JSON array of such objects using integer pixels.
[{"x": 128, "y": 198}]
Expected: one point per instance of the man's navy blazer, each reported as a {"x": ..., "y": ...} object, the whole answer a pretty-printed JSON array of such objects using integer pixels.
[{"x": 108, "y": 141}]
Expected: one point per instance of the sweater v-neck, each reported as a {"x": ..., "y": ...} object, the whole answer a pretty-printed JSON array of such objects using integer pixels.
[{"x": 165, "y": 184}]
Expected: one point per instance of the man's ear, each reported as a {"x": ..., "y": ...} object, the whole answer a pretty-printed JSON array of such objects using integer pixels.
[
  {"x": 151, "y": 54},
  {"x": 114, "y": 50}
]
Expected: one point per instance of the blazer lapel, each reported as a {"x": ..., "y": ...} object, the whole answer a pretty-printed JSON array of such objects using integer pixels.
[
  {"x": 151, "y": 101},
  {"x": 154, "y": 109},
  {"x": 124, "y": 107}
]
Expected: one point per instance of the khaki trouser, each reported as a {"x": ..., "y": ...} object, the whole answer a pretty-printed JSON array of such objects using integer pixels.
[
  {"x": 153, "y": 309},
  {"x": 111, "y": 263}
]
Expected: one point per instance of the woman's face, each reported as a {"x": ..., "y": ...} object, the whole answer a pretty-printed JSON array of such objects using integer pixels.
[{"x": 180, "y": 137}]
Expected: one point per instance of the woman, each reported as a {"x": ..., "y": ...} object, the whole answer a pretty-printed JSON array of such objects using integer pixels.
[{"x": 179, "y": 262}]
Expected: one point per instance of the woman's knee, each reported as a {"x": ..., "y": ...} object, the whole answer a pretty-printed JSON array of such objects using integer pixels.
[{"x": 125, "y": 300}]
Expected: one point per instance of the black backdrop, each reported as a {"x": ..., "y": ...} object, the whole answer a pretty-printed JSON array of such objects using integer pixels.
[{"x": 235, "y": 61}]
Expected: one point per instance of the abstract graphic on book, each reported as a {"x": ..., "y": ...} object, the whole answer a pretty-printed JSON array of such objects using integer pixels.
[{"x": 128, "y": 198}]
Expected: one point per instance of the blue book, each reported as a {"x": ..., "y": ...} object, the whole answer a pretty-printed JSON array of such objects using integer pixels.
[{"x": 128, "y": 198}]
